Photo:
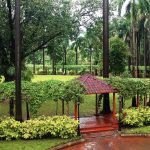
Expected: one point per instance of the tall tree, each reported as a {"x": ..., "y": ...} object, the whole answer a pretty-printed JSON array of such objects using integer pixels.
[
  {"x": 18, "y": 63},
  {"x": 106, "y": 103}
]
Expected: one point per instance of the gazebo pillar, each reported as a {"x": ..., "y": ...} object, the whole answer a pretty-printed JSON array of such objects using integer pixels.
[
  {"x": 114, "y": 105},
  {"x": 75, "y": 111},
  {"x": 96, "y": 105}
]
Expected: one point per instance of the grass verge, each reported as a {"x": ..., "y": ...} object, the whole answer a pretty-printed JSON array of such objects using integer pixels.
[
  {"x": 137, "y": 130},
  {"x": 41, "y": 144}
]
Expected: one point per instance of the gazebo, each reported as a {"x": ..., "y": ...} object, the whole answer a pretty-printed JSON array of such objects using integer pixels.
[{"x": 94, "y": 85}]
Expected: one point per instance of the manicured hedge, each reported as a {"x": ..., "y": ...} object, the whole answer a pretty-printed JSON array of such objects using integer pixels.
[{"x": 57, "y": 127}]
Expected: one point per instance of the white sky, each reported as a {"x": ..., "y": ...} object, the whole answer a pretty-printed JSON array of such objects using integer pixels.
[{"x": 123, "y": 10}]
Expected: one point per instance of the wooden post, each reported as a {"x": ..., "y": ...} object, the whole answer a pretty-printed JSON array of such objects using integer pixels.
[
  {"x": 96, "y": 105},
  {"x": 76, "y": 111},
  {"x": 114, "y": 104}
]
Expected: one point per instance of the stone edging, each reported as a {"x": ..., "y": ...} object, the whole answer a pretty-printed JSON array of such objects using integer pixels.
[{"x": 61, "y": 147}]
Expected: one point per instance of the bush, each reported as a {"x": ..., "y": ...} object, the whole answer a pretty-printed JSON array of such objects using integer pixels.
[
  {"x": 57, "y": 126},
  {"x": 9, "y": 129},
  {"x": 118, "y": 55},
  {"x": 136, "y": 117}
]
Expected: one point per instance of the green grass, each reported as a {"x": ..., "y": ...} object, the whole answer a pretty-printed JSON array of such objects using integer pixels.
[
  {"x": 138, "y": 130},
  {"x": 42, "y": 144},
  {"x": 38, "y": 78}
]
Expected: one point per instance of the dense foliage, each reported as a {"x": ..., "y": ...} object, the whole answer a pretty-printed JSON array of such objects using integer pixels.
[
  {"x": 58, "y": 127},
  {"x": 136, "y": 116},
  {"x": 37, "y": 93},
  {"x": 118, "y": 55},
  {"x": 44, "y": 25}
]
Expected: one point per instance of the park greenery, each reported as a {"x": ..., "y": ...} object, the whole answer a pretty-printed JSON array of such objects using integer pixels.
[
  {"x": 41, "y": 127},
  {"x": 36, "y": 93},
  {"x": 129, "y": 87},
  {"x": 69, "y": 33},
  {"x": 136, "y": 117},
  {"x": 65, "y": 37}
]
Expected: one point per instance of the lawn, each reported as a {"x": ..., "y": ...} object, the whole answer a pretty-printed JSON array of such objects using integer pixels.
[
  {"x": 38, "y": 78},
  {"x": 42, "y": 144},
  {"x": 138, "y": 130}
]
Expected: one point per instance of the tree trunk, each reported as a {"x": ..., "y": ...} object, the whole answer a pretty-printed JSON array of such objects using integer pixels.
[
  {"x": 33, "y": 63},
  {"x": 134, "y": 101},
  {"x": 76, "y": 51},
  {"x": 90, "y": 60},
  {"x": 54, "y": 62},
  {"x": 56, "y": 111},
  {"x": 27, "y": 110},
  {"x": 96, "y": 71},
  {"x": 67, "y": 103},
  {"x": 63, "y": 108},
  {"x": 145, "y": 53},
  {"x": 11, "y": 107},
  {"x": 64, "y": 62},
  {"x": 138, "y": 54},
  {"x": 43, "y": 59},
  {"x": 106, "y": 104}
]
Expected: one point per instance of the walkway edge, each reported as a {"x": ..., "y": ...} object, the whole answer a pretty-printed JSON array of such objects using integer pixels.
[{"x": 67, "y": 144}]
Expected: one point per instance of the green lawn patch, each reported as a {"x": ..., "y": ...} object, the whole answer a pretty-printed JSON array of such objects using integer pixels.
[
  {"x": 38, "y": 78},
  {"x": 42, "y": 144},
  {"x": 138, "y": 130}
]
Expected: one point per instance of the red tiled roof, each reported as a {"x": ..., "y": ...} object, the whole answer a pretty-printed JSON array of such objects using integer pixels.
[{"x": 94, "y": 85}]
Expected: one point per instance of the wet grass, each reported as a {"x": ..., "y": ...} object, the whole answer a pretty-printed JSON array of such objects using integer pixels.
[
  {"x": 137, "y": 130},
  {"x": 42, "y": 144},
  {"x": 38, "y": 78}
]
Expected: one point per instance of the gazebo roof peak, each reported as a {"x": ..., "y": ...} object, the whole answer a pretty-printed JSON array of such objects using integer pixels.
[{"x": 93, "y": 85}]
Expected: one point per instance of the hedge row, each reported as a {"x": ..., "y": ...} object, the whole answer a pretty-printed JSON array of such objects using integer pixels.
[
  {"x": 37, "y": 93},
  {"x": 129, "y": 87},
  {"x": 56, "y": 127},
  {"x": 71, "y": 69}
]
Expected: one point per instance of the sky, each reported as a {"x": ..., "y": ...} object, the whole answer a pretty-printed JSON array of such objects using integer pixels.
[{"x": 123, "y": 10}]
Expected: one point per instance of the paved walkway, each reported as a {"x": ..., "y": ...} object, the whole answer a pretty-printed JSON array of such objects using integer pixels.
[{"x": 111, "y": 141}]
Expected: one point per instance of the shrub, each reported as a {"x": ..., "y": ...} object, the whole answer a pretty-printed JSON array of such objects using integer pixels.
[
  {"x": 118, "y": 55},
  {"x": 136, "y": 116},
  {"x": 57, "y": 126},
  {"x": 9, "y": 129}
]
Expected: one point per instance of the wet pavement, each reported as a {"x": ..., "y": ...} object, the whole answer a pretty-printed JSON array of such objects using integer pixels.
[
  {"x": 110, "y": 140},
  {"x": 98, "y": 123}
]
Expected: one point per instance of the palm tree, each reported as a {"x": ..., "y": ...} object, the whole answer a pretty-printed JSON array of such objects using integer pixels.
[{"x": 138, "y": 14}]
